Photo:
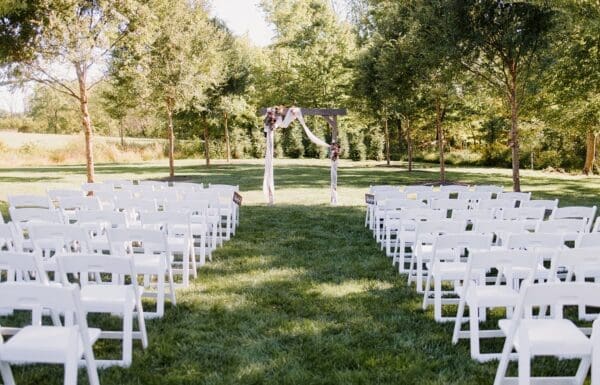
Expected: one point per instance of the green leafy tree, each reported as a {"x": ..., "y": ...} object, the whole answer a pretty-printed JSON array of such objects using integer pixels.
[{"x": 73, "y": 34}]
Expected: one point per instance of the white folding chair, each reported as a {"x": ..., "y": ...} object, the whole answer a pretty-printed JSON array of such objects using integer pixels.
[
  {"x": 93, "y": 188},
  {"x": 422, "y": 249},
  {"x": 414, "y": 189},
  {"x": 546, "y": 246},
  {"x": 449, "y": 205},
  {"x": 533, "y": 336},
  {"x": 379, "y": 198},
  {"x": 55, "y": 194},
  {"x": 428, "y": 196},
  {"x": 58, "y": 344},
  {"x": 479, "y": 294},
  {"x": 588, "y": 240},
  {"x": 108, "y": 293},
  {"x": 150, "y": 252},
  {"x": 135, "y": 206},
  {"x": 569, "y": 228},
  {"x": 69, "y": 205},
  {"x": 579, "y": 264},
  {"x": 9, "y": 240},
  {"x": 203, "y": 224},
  {"x": 587, "y": 213},
  {"x": 531, "y": 216},
  {"x": 454, "y": 188},
  {"x": 177, "y": 227},
  {"x": 448, "y": 265},
  {"x": 384, "y": 207}
]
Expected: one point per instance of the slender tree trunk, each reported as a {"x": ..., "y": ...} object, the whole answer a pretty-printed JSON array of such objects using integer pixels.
[
  {"x": 86, "y": 121},
  {"x": 399, "y": 134},
  {"x": 206, "y": 149},
  {"x": 387, "y": 140},
  {"x": 409, "y": 147},
  {"x": 514, "y": 127},
  {"x": 440, "y": 135},
  {"x": 227, "y": 145},
  {"x": 590, "y": 152},
  {"x": 171, "y": 138},
  {"x": 121, "y": 133}
]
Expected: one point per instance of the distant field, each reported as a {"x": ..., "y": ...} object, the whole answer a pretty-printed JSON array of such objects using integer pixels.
[{"x": 15, "y": 140}]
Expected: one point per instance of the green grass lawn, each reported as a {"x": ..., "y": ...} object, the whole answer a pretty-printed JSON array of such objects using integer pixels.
[{"x": 301, "y": 295}]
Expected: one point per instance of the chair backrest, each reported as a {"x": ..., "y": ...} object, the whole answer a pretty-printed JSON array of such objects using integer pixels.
[
  {"x": 74, "y": 237},
  {"x": 569, "y": 225},
  {"x": 95, "y": 187},
  {"x": 474, "y": 196},
  {"x": 99, "y": 266},
  {"x": 489, "y": 188},
  {"x": 547, "y": 204},
  {"x": 398, "y": 204},
  {"x": 19, "y": 266},
  {"x": 496, "y": 203},
  {"x": 422, "y": 214},
  {"x": 589, "y": 213},
  {"x": 558, "y": 295},
  {"x": 136, "y": 206},
  {"x": 388, "y": 194},
  {"x": 30, "y": 201},
  {"x": 104, "y": 218},
  {"x": 578, "y": 262},
  {"x": 518, "y": 196},
  {"x": 473, "y": 215},
  {"x": 119, "y": 183},
  {"x": 195, "y": 206},
  {"x": 523, "y": 213},
  {"x": 223, "y": 187},
  {"x": 171, "y": 222},
  {"x": 374, "y": 189},
  {"x": 458, "y": 243},
  {"x": 22, "y": 215},
  {"x": 146, "y": 241},
  {"x": 413, "y": 189},
  {"x": 441, "y": 226},
  {"x": 504, "y": 261},
  {"x": 535, "y": 241},
  {"x": 79, "y": 203},
  {"x": 450, "y": 204},
  {"x": 187, "y": 186},
  {"x": 498, "y": 226},
  {"x": 54, "y": 194},
  {"x": 454, "y": 188}
]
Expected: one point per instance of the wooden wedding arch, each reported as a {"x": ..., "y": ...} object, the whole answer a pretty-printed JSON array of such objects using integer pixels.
[{"x": 282, "y": 117}]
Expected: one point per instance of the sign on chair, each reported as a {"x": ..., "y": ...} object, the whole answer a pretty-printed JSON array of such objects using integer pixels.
[
  {"x": 237, "y": 198},
  {"x": 370, "y": 199}
]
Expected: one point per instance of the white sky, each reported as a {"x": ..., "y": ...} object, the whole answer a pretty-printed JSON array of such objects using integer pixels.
[{"x": 243, "y": 17}]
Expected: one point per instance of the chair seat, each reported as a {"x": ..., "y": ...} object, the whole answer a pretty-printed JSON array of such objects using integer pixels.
[
  {"x": 492, "y": 295},
  {"x": 551, "y": 337},
  {"x": 44, "y": 344},
  {"x": 107, "y": 298}
]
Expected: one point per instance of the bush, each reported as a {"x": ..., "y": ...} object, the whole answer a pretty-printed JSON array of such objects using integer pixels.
[
  {"x": 357, "y": 149},
  {"x": 292, "y": 142},
  {"x": 239, "y": 143},
  {"x": 496, "y": 154},
  {"x": 375, "y": 145},
  {"x": 257, "y": 143}
]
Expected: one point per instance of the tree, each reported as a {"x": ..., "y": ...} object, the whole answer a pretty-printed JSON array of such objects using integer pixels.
[
  {"x": 178, "y": 62},
  {"x": 75, "y": 35},
  {"x": 502, "y": 42}
]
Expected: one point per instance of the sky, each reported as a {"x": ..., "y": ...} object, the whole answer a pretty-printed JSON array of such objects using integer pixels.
[{"x": 243, "y": 17}]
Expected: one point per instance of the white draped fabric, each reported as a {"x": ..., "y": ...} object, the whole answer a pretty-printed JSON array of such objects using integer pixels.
[{"x": 269, "y": 181}]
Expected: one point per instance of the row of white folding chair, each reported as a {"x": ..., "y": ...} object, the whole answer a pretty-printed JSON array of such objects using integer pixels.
[{"x": 103, "y": 290}]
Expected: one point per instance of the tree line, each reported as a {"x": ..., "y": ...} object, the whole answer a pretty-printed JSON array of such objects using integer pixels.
[{"x": 488, "y": 82}]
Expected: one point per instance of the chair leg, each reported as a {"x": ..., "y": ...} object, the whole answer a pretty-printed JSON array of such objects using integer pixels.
[
  {"x": 160, "y": 295},
  {"x": 437, "y": 298},
  {"x": 127, "y": 336},
  {"x": 192, "y": 258},
  {"x": 524, "y": 365},
  {"x": 185, "y": 261},
  {"x": 582, "y": 371},
  {"x": 71, "y": 370},
  {"x": 458, "y": 321},
  {"x": 474, "y": 313},
  {"x": 171, "y": 285},
  {"x": 426, "y": 293},
  {"x": 6, "y": 373},
  {"x": 141, "y": 322}
]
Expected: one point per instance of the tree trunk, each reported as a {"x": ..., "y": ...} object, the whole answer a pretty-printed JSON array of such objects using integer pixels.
[
  {"x": 409, "y": 146},
  {"x": 227, "y": 145},
  {"x": 590, "y": 152},
  {"x": 206, "y": 149},
  {"x": 399, "y": 134},
  {"x": 387, "y": 140},
  {"x": 86, "y": 121},
  {"x": 121, "y": 133},
  {"x": 171, "y": 138},
  {"x": 514, "y": 127},
  {"x": 440, "y": 136}
]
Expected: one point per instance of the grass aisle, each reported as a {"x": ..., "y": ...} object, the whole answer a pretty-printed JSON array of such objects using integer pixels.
[{"x": 300, "y": 296}]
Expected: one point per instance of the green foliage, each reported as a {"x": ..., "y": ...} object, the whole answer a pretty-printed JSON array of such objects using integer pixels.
[
  {"x": 375, "y": 145},
  {"x": 357, "y": 150},
  {"x": 291, "y": 141}
]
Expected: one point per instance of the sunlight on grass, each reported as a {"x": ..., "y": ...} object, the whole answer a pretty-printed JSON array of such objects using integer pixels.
[{"x": 349, "y": 287}]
